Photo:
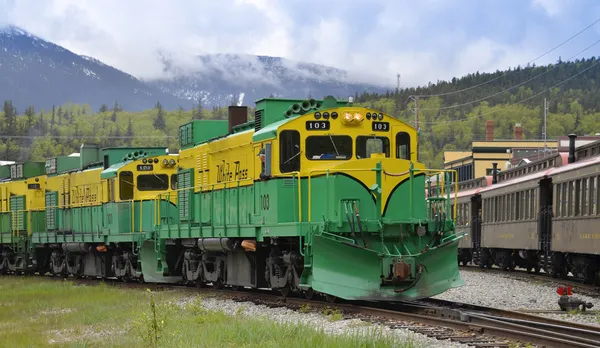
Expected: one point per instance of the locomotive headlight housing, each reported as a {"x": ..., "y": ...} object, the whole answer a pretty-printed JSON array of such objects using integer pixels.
[{"x": 358, "y": 117}]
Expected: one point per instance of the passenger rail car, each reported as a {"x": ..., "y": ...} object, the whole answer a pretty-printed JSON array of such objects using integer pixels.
[
  {"x": 312, "y": 196},
  {"x": 546, "y": 220}
]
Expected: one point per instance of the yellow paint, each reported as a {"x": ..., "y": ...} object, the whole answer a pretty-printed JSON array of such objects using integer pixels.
[
  {"x": 451, "y": 156},
  {"x": 521, "y": 144},
  {"x": 589, "y": 236},
  {"x": 506, "y": 236},
  {"x": 160, "y": 168},
  {"x": 234, "y": 160}
]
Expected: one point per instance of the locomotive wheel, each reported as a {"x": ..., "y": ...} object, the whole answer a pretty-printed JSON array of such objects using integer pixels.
[
  {"x": 184, "y": 274},
  {"x": 309, "y": 294},
  {"x": 330, "y": 298},
  {"x": 285, "y": 291},
  {"x": 218, "y": 284}
]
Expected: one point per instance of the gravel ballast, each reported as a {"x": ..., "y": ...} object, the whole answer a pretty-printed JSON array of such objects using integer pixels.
[
  {"x": 316, "y": 320},
  {"x": 504, "y": 291},
  {"x": 485, "y": 289}
]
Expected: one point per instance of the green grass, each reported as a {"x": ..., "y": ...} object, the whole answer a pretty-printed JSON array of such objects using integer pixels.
[{"x": 38, "y": 312}]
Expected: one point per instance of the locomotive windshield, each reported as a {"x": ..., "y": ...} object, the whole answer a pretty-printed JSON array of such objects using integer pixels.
[
  {"x": 365, "y": 146},
  {"x": 152, "y": 182},
  {"x": 329, "y": 147}
]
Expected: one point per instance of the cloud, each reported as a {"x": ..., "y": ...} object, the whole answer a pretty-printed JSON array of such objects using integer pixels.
[
  {"x": 423, "y": 40},
  {"x": 552, "y": 7}
]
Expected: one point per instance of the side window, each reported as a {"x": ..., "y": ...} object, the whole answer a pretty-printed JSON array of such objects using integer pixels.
[
  {"x": 173, "y": 181},
  {"x": 289, "y": 151},
  {"x": 365, "y": 146},
  {"x": 125, "y": 186},
  {"x": 403, "y": 145}
]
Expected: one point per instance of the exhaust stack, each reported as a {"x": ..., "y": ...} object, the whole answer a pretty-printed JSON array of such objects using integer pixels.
[{"x": 572, "y": 147}]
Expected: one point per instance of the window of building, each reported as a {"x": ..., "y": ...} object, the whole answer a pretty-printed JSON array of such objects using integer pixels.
[
  {"x": 329, "y": 147},
  {"x": 152, "y": 182},
  {"x": 365, "y": 146},
  {"x": 289, "y": 151},
  {"x": 403, "y": 145},
  {"x": 125, "y": 186}
]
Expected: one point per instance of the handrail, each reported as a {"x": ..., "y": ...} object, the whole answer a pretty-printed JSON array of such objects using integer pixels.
[{"x": 443, "y": 183}]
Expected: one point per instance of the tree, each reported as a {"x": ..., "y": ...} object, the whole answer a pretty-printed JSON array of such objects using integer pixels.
[
  {"x": 10, "y": 118},
  {"x": 129, "y": 134},
  {"x": 59, "y": 114},
  {"x": 159, "y": 121},
  {"x": 113, "y": 117},
  {"x": 103, "y": 108},
  {"x": 53, "y": 120},
  {"x": 30, "y": 113},
  {"x": 198, "y": 110}
]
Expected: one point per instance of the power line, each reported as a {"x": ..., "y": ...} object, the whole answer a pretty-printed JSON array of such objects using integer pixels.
[
  {"x": 510, "y": 88},
  {"x": 496, "y": 78},
  {"x": 524, "y": 100}
]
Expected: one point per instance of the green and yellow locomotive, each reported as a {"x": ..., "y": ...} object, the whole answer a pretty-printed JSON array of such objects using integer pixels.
[{"x": 312, "y": 196}]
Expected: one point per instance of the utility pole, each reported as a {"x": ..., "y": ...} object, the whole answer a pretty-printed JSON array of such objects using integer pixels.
[
  {"x": 545, "y": 129},
  {"x": 416, "y": 109}
]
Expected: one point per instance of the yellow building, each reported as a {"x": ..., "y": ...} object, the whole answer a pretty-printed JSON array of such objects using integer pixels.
[{"x": 478, "y": 162}]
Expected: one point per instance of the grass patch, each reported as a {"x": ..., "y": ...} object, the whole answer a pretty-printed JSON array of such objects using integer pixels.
[{"x": 45, "y": 313}]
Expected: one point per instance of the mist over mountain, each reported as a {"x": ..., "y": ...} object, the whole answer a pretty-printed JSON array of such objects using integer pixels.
[{"x": 36, "y": 72}]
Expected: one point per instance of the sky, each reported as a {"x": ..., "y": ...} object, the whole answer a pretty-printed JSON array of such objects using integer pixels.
[{"x": 423, "y": 40}]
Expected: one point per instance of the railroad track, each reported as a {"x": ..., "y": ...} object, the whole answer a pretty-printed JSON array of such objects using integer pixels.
[
  {"x": 472, "y": 325},
  {"x": 579, "y": 286}
]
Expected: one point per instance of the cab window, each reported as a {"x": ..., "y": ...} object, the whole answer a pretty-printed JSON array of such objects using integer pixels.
[
  {"x": 329, "y": 147},
  {"x": 289, "y": 151},
  {"x": 152, "y": 182},
  {"x": 125, "y": 186},
  {"x": 365, "y": 146},
  {"x": 403, "y": 145},
  {"x": 173, "y": 181}
]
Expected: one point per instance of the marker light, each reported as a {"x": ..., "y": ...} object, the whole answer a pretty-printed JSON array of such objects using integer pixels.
[
  {"x": 172, "y": 162},
  {"x": 334, "y": 115},
  {"x": 317, "y": 115},
  {"x": 380, "y": 116},
  {"x": 165, "y": 162}
]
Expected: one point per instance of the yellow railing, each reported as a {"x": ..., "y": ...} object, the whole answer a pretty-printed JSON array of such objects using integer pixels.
[{"x": 441, "y": 185}]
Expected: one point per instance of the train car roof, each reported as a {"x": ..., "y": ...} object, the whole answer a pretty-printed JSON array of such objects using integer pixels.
[{"x": 550, "y": 172}]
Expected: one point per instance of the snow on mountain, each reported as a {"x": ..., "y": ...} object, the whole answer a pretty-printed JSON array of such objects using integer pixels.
[{"x": 37, "y": 72}]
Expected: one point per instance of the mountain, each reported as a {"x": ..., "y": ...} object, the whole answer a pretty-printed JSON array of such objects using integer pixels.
[
  {"x": 40, "y": 73},
  {"x": 36, "y": 72},
  {"x": 221, "y": 79}
]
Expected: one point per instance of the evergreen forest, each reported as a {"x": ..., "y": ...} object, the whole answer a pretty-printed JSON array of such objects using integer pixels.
[{"x": 451, "y": 114}]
